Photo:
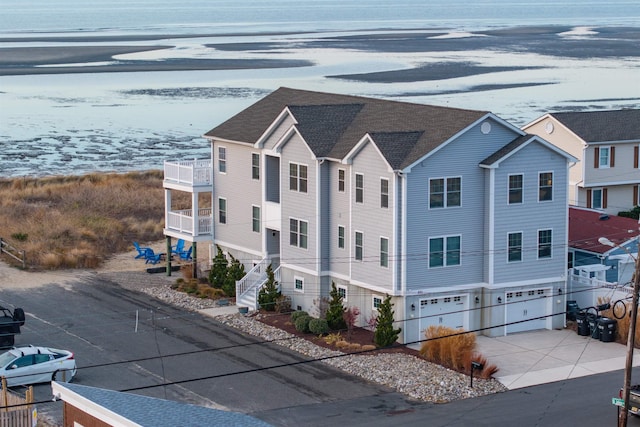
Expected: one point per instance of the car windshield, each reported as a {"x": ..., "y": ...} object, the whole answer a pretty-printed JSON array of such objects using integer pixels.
[{"x": 6, "y": 358}]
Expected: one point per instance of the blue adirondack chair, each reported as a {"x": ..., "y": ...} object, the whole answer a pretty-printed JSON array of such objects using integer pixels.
[
  {"x": 152, "y": 257},
  {"x": 142, "y": 250},
  {"x": 186, "y": 255},
  {"x": 178, "y": 247}
]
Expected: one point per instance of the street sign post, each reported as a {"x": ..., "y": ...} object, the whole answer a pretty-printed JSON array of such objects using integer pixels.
[{"x": 617, "y": 401}]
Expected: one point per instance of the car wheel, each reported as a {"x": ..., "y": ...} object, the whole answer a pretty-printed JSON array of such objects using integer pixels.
[{"x": 62, "y": 376}]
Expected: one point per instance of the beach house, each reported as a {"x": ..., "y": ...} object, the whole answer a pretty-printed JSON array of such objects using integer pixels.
[
  {"x": 457, "y": 215},
  {"x": 607, "y": 177}
]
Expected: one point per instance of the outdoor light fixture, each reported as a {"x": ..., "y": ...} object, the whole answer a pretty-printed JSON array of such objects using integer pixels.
[
  {"x": 626, "y": 389},
  {"x": 477, "y": 300},
  {"x": 499, "y": 300},
  {"x": 475, "y": 365},
  {"x": 413, "y": 307},
  {"x": 559, "y": 291}
]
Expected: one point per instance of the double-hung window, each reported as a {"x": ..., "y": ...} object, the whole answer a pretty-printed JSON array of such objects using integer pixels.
[
  {"x": 544, "y": 243},
  {"x": 222, "y": 210},
  {"x": 341, "y": 180},
  {"x": 384, "y": 193},
  {"x": 545, "y": 186},
  {"x": 298, "y": 233},
  {"x": 222, "y": 160},
  {"x": 514, "y": 252},
  {"x": 255, "y": 166},
  {"x": 255, "y": 219},
  {"x": 515, "y": 189},
  {"x": 341, "y": 236},
  {"x": 604, "y": 157},
  {"x": 445, "y": 192},
  {"x": 384, "y": 252},
  {"x": 444, "y": 251},
  {"x": 359, "y": 244},
  {"x": 359, "y": 188},
  {"x": 298, "y": 177}
]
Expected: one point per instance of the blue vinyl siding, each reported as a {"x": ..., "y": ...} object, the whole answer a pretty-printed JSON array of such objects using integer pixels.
[
  {"x": 460, "y": 158},
  {"x": 531, "y": 216}
]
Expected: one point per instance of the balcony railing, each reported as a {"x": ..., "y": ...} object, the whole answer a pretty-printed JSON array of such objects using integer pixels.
[
  {"x": 184, "y": 222},
  {"x": 191, "y": 172}
]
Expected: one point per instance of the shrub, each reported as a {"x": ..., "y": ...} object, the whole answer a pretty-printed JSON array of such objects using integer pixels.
[
  {"x": 333, "y": 338},
  {"x": 335, "y": 311},
  {"x": 318, "y": 326},
  {"x": 350, "y": 317},
  {"x": 452, "y": 348},
  {"x": 269, "y": 293},
  {"x": 368, "y": 347},
  {"x": 296, "y": 314},
  {"x": 385, "y": 335},
  {"x": 302, "y": 324}
]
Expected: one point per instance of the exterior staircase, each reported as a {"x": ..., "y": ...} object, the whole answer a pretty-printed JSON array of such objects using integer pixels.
[{"x": 248, "y": 287}]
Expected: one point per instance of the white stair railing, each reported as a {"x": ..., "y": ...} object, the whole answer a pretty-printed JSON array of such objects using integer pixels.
[{"x": 248, "y": 287}]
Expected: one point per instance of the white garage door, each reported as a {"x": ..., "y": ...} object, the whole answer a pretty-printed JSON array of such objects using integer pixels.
[
  {"x": 444, "y": 311},
  {"x": 523, "y": 307}
]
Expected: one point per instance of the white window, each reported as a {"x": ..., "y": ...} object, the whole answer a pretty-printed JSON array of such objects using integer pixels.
[
  {"x": 359, "y": 242},
  {"x": 299, "y": 284},
  {"x": 222, "y": 210},
  {"x": 359, "y": 188},
  {"x": 376, "y": 302},
  {"x": 545, "y": 187},
  {"x": 342, "y": 291},
  {"x": 515, "y": 189},
  {"x": 341, "y": 175},
  {"x": 444, "y": 251},
  {"x": 514, "y": 252},
  {"x": 604, "y": 157},
  {"x": 298, "y": 233},
  {"x": 445, "y": 192},
  {"x": 596, "y": 198},
  {"x": 544, "y": 243},
  {"x": 255, "y": 166},
  {"x": 384, "y": 252},
  {"x": 222, "y": 160},
  {"x": 341, "y": 237},
  {"x": 255, "y": 219},
  {"x": 384, "y": 193},
  {"x": 297, "y": 177}
]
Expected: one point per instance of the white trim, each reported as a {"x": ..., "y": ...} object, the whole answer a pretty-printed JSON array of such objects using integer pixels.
[
  {"x": 259, "y": 219},
  {"x": 297, "y": 279},
  {"x": 382, "y": 178},
  {"x": 533, "y": 282},
  {"x": 295, "y": 267},
  {"x": 388, "y": 253},
  {"x": 508, "y": 262},
  {"x": 344, "y": 180},
  {"x": 355, "y": 187},
  {"x": 257, "y": 254},
  {"x": 259, "y": 166},
  {"x": 277, "y": 122},
  {"x": 552, "y": 185},
  {"x": 533, "y": 138},
  {"x": 609, "y": 184},
  {"x": 374, "y": 288},
  {"x": 298, "y": 164},
  {"x": 297, "y": 245},
  {"x": 344, "y": 238},
  {"x": 444, "y": 251},
  {"x": 521, "y": 188},
  {"x": 538, "y": 244},
  {"x": 348, "y": 158},
  {"x": 355, "y": 232},
  {"x": 224, "y": 161},
  {"x": 600, "y": 148},
  {"x": 445, "y": 192},
  {"x": 492, "y": 225}
]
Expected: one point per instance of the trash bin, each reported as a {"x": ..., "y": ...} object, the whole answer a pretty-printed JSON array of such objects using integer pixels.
[
  {"x": 583, "y": 325},
  {"x": 607, "y": 328},
  {"x": 593, "y": 320},
  {"x": 572, "y": 310}
]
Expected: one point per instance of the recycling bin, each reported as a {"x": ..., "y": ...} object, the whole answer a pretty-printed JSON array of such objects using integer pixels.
[
  {"x": 607, "y": 328},
  {"x": 572, "y": 310},
  {"x": 583, "y": 325}
]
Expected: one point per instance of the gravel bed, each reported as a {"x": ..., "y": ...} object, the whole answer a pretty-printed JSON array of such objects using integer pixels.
[{"x": 407, "y": 374}]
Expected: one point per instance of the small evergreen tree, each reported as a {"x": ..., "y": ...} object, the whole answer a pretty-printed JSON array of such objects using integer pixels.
[
  {"x": 269, "y": 293},
  {"x": 385, "y": 335},
  {"x": 218, "y": 274},
  {"x": 235, "y": 272},
  {"x": 335, "y": 312}
]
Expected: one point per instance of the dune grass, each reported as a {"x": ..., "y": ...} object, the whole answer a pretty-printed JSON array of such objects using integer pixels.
[{"x": 79, "y": 221}]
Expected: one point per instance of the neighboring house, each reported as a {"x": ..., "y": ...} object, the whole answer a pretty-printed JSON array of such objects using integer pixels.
[
  {"x": 457, "y": 215},
  {"x": 606, "y": 143},
  {"x": 97, "y": 407},
  {"x": 595, "y": 268}
]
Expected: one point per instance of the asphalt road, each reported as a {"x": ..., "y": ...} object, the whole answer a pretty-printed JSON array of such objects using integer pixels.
[{"x": 118, "y": 335}]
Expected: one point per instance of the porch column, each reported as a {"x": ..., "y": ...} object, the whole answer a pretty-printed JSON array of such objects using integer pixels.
[{"x": 168, "y": 255}]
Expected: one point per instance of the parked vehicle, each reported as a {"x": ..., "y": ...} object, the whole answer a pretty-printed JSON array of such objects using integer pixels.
[
  {"x": 10, "y": 323},
  {"x": 33, "y": 365}
]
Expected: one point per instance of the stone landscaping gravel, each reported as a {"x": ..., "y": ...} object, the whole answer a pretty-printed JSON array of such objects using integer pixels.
[{"x": 407, "y": 374}]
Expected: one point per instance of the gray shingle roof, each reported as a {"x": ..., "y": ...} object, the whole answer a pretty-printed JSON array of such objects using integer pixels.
[
  {"x": 153, "y": 412},
  {"x": 507, "y": 149},
  {"x": 436, "y": 125},
  {"x": 602, "y": 126}
]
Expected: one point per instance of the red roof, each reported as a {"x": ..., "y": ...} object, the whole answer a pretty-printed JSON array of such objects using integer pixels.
[{"x": 587, "y": 226}]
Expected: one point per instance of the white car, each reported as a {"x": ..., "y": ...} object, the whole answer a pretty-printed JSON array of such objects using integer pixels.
[{"x": 32, "y": 365}]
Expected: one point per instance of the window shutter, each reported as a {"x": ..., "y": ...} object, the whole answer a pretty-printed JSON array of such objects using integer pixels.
[
  {"x": 604, "y": 198},
  {"x": 635, "y": 156},
  {"x": 612, "y": 154},
  {"x": 589, "y": 198},
  {"x": 596, "y": 157},
  {"x": 635, "y": 195}
]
